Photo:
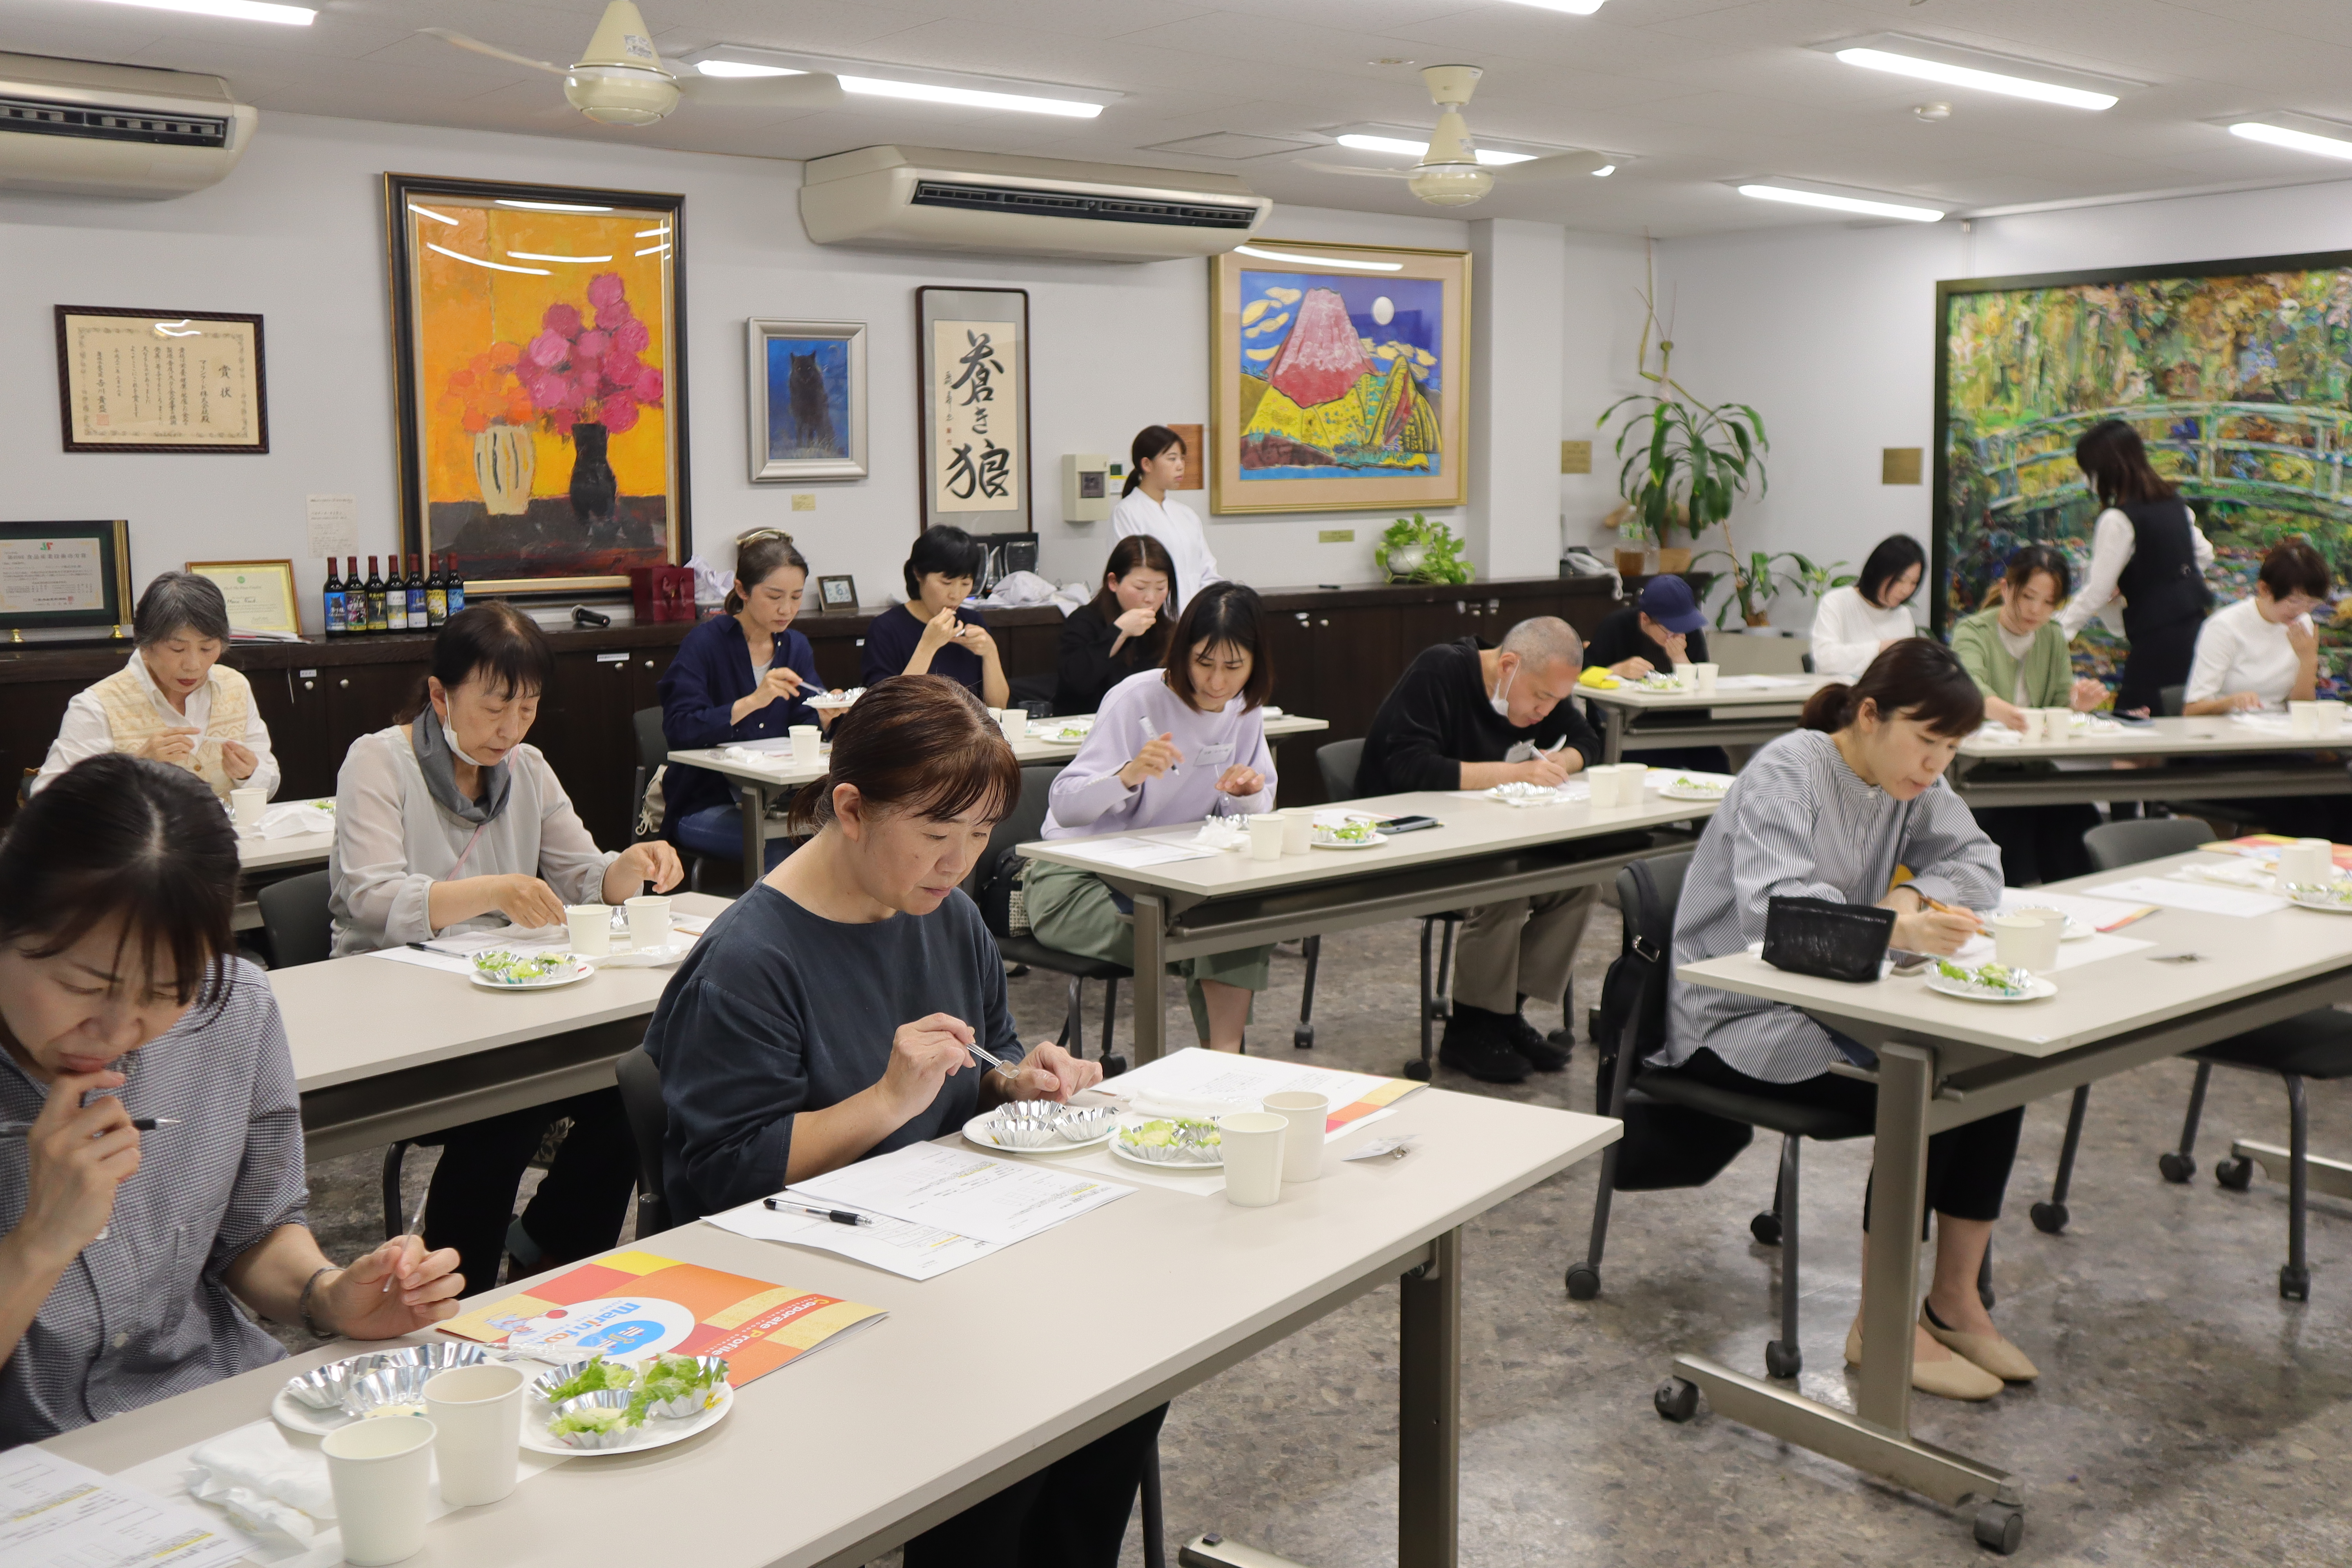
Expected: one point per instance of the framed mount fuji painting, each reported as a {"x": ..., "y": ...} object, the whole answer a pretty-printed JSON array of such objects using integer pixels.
[{"x": 1336, "y": 377}]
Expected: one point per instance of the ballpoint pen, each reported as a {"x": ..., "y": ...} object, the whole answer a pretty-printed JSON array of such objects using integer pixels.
[
  {"x": 838, "y": 1216},
  {"x": 144, "y": 1124}
]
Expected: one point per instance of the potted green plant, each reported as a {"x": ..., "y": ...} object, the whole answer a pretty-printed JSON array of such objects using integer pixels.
[
  {"x": 1415, "y": 550},
  {"x": 1754, "y": 580}
]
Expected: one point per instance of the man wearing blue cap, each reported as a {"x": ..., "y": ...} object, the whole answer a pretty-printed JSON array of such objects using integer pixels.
[{"x": 1662, "y": 629}]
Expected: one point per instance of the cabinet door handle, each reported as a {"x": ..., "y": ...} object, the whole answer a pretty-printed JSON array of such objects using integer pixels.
[
  {"x": 344, "y": 682},
  {"x": 1460, "y": 605},
  {"x": 649, "y": 664},
  {"x": 1302, "y": 617},
  {"x": 1323, "y": 622},
  {"x": 310, "y": 686}
]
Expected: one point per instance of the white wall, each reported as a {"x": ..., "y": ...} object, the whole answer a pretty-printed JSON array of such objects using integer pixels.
[
  {"x": 296, "y": 235},
  {"x": 1830, "y": 332}
]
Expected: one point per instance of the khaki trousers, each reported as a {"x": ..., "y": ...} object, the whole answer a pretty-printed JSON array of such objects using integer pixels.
[{"x": 1521, "y": 947}]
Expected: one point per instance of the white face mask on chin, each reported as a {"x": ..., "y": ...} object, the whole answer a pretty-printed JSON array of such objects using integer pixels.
[
  {"x": 449, "y": 735},
  {"x": 1500, "y": 701}
]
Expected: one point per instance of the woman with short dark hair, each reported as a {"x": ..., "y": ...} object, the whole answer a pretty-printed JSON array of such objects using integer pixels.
[
  {"x": 1122, "y": 631},
  {"x": 1169, "y": 746},
  {"x": 2145, "y": 546},
  {"x": 2264, "y": 651},
  {"x": 1839, "y": 810},
  {"x": 1853, "y": 624},
  {"x": 932, "y": 633},
  {"x": 173, "y": 701},
  {"x": 124, "y": 1254}
]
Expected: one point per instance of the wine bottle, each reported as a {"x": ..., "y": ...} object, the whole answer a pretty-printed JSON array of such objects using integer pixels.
[
  {"x": 354, "y": 597},
  {"x": 377, "y": 620},
  {"x": 419, "y": 620},
  {"x": 456, "y": 587},
  {"x": 332, "y": 599},
  {"x": 395, "y": 597},
  {"x": 436, "y": 593}
]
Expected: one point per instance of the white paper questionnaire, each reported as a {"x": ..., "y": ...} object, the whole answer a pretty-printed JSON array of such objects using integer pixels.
[
  {"x": 962, "y": 1192},
  {"x": 1132, "y": 853},
  {"x": 910, "y": 1251},
  {"x": 1197, "y": 1076},
  {"x": 55, "y": 1513},
  {"x": 2204, "y": 898}
]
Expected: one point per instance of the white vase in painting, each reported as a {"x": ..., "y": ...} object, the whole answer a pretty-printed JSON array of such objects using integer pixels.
[{"x": 504, "y": 459}]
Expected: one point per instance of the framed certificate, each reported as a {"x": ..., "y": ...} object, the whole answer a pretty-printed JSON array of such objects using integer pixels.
[
  {"x": 260, "y": 594},
  {"x": 64, "y": 574},
  {"x": 160, "y": 381}
]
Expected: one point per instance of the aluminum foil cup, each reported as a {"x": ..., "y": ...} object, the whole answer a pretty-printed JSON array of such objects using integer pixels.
[
  {"x": 1022, "y": 1131},
  {"x": 604, "y": 1399},
  {"x": 387, "y": 1391},
  {"x": 324, "y": 1387},
  {"x": 548, "y": 1382},
  {"x": 1080, "y": 1124}
]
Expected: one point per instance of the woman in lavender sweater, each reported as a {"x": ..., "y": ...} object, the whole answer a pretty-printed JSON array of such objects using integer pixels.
[{"x": 1169, "y": 746}]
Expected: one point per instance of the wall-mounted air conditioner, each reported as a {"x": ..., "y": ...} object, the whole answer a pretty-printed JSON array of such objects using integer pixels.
[
  {"x": 91, "y": 129},
  {"x": 926, "y": 198}
]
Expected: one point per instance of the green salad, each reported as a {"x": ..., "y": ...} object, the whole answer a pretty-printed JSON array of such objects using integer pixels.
[
  {"x": 1356, "y": 832},
  {"x": 597, "y": 1420},
  {"x": 1172, "y": 1130},
  {"x": 1998, "y": 978},
  {"x": 2335, "y": 890},
  {"x": 595, "y": 1378},
  {"x": 516, "y": 969},
  {"x": 1684, "y": 780}
]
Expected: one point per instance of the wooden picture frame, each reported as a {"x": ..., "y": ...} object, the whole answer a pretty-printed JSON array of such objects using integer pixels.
[
  {"x": 527, "y": 320},
  {"x": 160, "y": 381},
  {"x": 974, "y": 470},
  {"x": 807, "y": 408},
  {"x": 263, "y": 590},
  {"x": 64, "y": 574},
  {"x": 837, "y": 594},
  {"x": 1375, "y": 357}
]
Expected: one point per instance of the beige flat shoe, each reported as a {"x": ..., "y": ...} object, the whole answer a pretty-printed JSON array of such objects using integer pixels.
[
  {"x": 1990, "y": 1351},
  {"x": 1958, "y": 1378}
]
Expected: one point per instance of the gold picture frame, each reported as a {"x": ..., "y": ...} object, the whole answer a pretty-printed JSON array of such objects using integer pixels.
[
  {"x": 1337, "y": 387},
  {"x": 260, "y": 594}
]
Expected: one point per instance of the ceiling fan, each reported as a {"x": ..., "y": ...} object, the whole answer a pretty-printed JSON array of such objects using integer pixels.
[
  {"x": 620, "y": 81},
  {"x": 1449, "y": 173}
]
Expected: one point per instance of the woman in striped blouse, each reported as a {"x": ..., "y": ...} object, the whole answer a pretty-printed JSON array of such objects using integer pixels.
[{"x": 1845, "y": 809}]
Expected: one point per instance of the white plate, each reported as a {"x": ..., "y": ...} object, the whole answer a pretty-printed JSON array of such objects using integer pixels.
[
  {"x": 659, "y": 1432},
  {"x": 1217, "y": 1165},
  {"x": 2329, "y": 905},
  {"x": 652, "y": 958},
  {"x": 976, "y": 1131},
  {"x": 296, "y": 1416},
  {"x": 581, "y": 970},
  {"x": 1693, "y": 792},
  {"x": 1376, "y": 840},
  {"x": 2036, "y": 988}
]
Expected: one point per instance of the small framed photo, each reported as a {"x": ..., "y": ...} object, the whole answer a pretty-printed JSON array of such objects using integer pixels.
[
  {"x": 836, "y": 593},
  {"x": 160, "y": 381},
  {"x": 807, "y": 400},
  {"x": 260, "y": 594}
]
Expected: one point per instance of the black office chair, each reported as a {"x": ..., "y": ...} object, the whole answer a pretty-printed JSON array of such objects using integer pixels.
[
  {"x": 2170, "y": 700},
  {"x": 1338, "y": 762},
  {"x": 2311, "y": 1046},
  {"x": 1033, "y": 694},
  {"x": 993, "y": 878},
  {"x": 1647, "y": 891},
  {"x": 641, "y": 1102},
  {"x": 653, "y": 753},
  {"x": 294, "y": 918},
  {"x": 1806, "y": 660}
]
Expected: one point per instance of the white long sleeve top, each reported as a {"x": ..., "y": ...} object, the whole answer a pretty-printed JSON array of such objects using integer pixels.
[
  {"x": 2112, "y": 542},
  {"x": 2239, "y": 650},
  {"x": 84, "y": 733},
  {"x": 1089, "y": 797},
  {"x": 1177, "y": 527},
  {"x": 1848, "y": 628}
]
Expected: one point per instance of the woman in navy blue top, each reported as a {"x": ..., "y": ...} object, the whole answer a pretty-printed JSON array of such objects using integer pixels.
[
  {"x": 931, "y": 633},
  {"x": 742, "y": 675}
]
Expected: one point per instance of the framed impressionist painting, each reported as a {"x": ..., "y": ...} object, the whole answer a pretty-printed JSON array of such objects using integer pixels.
[
  {"x": 1337, "y": 376},
  {"x": 971, "y": 352},
  {"x": 807, "y": 400},
  {"x": 2238, "y": 375},
  {"x": 542, "y": 380}
]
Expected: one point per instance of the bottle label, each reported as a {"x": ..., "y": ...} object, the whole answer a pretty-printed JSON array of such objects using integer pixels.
[
  {"x": 335, "y": 613},
  {"x": 396, "y": 610},
  {"x": 456, "y": 598},
  {"x": 437, "y": 606},
  {"x": 416, "y": 609}
]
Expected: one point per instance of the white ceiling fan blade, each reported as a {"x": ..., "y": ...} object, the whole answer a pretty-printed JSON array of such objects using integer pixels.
[
  {"x": 449, "y": 36},
  {"x": 1560, "y": 165},
  {"x": 810, "y": 89},
  {"x": 1347, "y": 169}
]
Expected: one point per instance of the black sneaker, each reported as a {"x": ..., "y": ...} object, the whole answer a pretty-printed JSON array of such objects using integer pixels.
[
  {"x": 1475, "y": 1046},
  {"x": 1545, "y": 1053}
]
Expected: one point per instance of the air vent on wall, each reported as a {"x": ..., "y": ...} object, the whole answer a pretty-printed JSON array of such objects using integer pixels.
[
  {"x": 1069, "y": 204},
  {"x": 39, "y": 118}
]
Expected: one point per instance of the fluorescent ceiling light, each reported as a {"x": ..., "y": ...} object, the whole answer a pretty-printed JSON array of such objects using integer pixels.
[
  {"x": 1984, "y": 81},
  {"x": 1319, "y": 260},
  {"x": 551, "y": 207},
  {"x": 969, "y": 97},
  {"x": 1489, "y": 156},
  {"x": 234, "y": 10},
  {"x": 534, "y": 256},
  {"x": 744, "y": 68},
  {"x": 2300, "y": 140},
  {"x": 493, "y": 265},
  {"x": 1843, "y": 203},
  {"x": 429, "y": 212},
  {"x": 1573, "y": 8}
]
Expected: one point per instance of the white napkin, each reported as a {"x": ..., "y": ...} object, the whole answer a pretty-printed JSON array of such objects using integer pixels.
[
  {"x": 293, "y": 818},
  {"x": 267, "y": 1484},
  {"x": 1222, "y": 833},
  {"x": 1998, "y": 735}
]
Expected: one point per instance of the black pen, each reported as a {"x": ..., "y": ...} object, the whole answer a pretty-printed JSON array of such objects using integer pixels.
[
  {"x": 144, "y": 1124},
  {"x": 838, "y": 1216}
]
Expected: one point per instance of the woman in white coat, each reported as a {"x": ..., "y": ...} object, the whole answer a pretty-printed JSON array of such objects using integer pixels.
[{"x": 1156, "y": 461}]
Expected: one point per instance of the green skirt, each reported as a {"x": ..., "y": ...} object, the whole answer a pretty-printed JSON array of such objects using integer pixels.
[{"x": 1072, "y": 910}]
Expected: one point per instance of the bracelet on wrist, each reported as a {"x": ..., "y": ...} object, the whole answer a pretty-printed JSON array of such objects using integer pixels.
[{"x": 302, "y": 1306}]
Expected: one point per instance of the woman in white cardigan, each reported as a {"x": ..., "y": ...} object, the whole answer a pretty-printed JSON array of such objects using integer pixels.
[{"x": 1854, "y": 624}]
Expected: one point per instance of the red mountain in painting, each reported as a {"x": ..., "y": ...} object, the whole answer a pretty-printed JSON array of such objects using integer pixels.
[{"x": 1322, "y": 358}]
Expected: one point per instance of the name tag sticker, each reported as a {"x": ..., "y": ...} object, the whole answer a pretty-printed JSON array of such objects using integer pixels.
[{"x": 1213, "y": 756}]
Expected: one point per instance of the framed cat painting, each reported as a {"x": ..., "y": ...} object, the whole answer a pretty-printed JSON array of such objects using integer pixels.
[{"x": 807, "y": 400}]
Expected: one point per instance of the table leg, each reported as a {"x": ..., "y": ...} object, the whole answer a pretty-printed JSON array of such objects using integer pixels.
[
  {"x": 754, "y": 807},
  {"x": 1612, "y": 733},
  {"x": 1906, "y": 1077},
  {"x": 1151, "y": 974},
  {"x": 1429, "y": 1413}
]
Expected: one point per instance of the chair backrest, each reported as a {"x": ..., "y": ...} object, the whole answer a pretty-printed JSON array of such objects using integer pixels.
[
  {"x": 1337, "y": 762},
  {"x": 1025, "y": 822},
  {"x": 1807, "y": 660},
  {"x": 294, "y": 917},
  {"x": 1634, "y": 995},
  {"x": 2170, "y": 700},
  {"x": 641, "y": 1102},
  {"x": 652, "y": 746},
  {"x": 2113, "y": 845}
]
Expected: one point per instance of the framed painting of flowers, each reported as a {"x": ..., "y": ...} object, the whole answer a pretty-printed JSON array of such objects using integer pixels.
[{"x": 542, "y": 380}]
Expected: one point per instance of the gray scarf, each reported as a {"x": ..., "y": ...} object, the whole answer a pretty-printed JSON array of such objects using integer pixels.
[{"x": 439, "y": 764}]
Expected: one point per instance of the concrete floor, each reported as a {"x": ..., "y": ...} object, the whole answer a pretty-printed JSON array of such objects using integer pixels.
[{"x": 2186, "y": 1414}]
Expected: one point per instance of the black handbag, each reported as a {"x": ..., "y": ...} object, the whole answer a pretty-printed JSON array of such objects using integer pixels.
[{"x": 1824, "y": 938}]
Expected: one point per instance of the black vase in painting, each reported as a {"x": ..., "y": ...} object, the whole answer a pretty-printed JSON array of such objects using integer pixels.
[{"x": 594, "y": 491}]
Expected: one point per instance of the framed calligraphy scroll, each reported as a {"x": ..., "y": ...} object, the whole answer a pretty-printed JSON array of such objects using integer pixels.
[
  {"x": 160, "y": 381},
  {"x": 971, "y": 355}
]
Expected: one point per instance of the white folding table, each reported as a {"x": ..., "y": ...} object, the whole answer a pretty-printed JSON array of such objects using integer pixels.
[
  {"x": 2231, "y": 757},
  {"x": 1743, "y": 714}
]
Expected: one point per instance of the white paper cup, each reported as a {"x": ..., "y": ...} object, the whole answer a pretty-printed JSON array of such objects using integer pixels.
[
  {"x": 592, "y": 928},
  {"x": 2302, "y": 718},
  {"x": 477, "y": 1415},
  {"x": 996, "y": 716},
  {"x": 1687, "y": 677},
  {"x": 2052, "y": 723},
  {"x": 1705, "y": 675},
  {"x": 1297, "y": 832},
  {"x": 2331, "y": 719},
  {"x": 1266, "y": 837},
  {"x": 2307, "y": 860},
  {"x": 1014, "y": 722},
  {"x": 649, "y": 921},
  {"x": 1251, "y": 1142},
  {"x": 380, "y": 1471},
  {"x": 2027, "y": 942},
  {"x": 1604, "y": 786},
  {"x": 808, "y": 741},
  {"x": 248, "y": 804},
  {"x": 1302, "y": 1143},
  {"x": 1632, "y": 784}
]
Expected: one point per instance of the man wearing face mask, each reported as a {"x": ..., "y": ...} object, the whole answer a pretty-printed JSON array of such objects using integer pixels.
[{"x": 1466, "y": 717}]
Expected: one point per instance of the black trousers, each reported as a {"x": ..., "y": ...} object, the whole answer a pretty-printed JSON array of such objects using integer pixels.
[
  {"x": 2153, "y": 663},
  {"x": 1071, "y": 1514},
  {"x": 580, "y": 1203},
  {"x": 1967, "y": 1167},
  {"x": 2039, "y": 843}
]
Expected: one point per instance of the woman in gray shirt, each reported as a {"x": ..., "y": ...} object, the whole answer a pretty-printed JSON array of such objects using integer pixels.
[{"x": 1853, "y": 808}]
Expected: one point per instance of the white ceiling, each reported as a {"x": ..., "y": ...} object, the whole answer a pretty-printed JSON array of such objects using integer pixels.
[{"x": 1696, "y": 91}]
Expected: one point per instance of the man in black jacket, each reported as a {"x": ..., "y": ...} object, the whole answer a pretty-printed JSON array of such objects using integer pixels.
[{"x": 1463, "y": 717}]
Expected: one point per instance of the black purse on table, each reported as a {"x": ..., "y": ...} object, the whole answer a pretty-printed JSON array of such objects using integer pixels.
[{"x": 1824, "y": 938}]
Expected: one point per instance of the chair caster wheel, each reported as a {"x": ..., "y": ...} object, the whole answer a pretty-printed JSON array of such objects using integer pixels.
[
  {"x": 1584, "y": 1282},
  {"x": 2235, "y": 1174},
  {"x": 2001, "y": 1526},
  {"x": 1780, "y": 1362},
  {"x": 2295, "y": 1284},
  {"x": 2049, "y": 1218},
  {"x": 1417, "y": 1070},
  {"x": 1676, "y": 1400},
  {"x": 2176, "y": 1168},
  {"x": 1766, "y": 1229},
  {"x": 1302, "y": 1038}
]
